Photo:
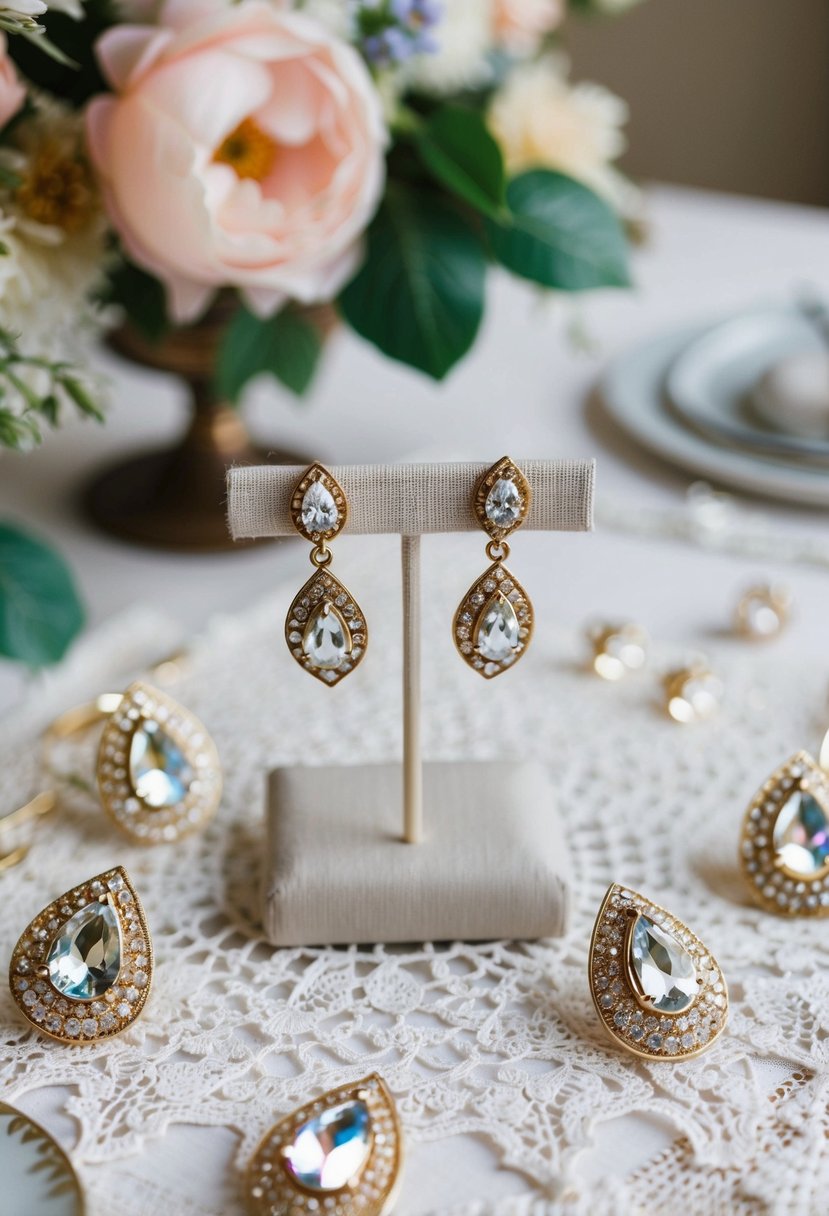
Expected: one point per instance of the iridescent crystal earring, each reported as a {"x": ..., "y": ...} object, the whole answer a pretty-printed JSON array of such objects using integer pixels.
[
  {"x": 784, "y": 848},
  {"x": 341, "y": 1154},
  {"x": 658, "y": 991},
  {"x": 157, "y": 770},
  {"x": 325, "y": 628},
  {"x": 494, "y": 621},
  {"x": 81, "y": 971}
]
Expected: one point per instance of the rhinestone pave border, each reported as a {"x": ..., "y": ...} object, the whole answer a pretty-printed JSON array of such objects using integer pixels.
[
  {"x": 323, "y": 587},
  {"x": 652, "y": 1036},
  {"x": 316, "y": 472},
  {"x": 773, "y": 887},
  {"x": 507, "y": 470},
  {"x": 75, "y": 1021},
  {"x": 468, "y": 617},
  {"x": 271, "y": 1191},
  {"x": 143, "y": 823}
]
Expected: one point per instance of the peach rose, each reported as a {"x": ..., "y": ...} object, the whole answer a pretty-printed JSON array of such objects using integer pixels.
[
  {"x": 244, "y": 148},
  {"x": 12, "y": 92},
  {"x": 520, "y": 25}
]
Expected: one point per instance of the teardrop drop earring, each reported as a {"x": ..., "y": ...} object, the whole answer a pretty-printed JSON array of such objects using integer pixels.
[
  {"x": 493, "y": 624},
  {"x": 325, "y": 628}
]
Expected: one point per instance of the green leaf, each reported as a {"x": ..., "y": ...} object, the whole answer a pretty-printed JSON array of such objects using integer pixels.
[
  {"x": 419, "y": 296},
  {"x": 9, "y": 180},
  {"x": 560, "y": 234},
  {"x": 459, "y": 152},
  {"x": 286, "y": 345},
  {"x": 40, "y": 612},
  {"x": 143, "y": 299}
]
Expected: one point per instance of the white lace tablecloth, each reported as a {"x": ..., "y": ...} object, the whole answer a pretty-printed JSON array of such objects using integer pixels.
[{"x": 492, "y": 1051}]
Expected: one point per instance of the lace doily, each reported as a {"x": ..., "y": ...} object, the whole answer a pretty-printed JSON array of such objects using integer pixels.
[{"x": 498, "y": 1040}]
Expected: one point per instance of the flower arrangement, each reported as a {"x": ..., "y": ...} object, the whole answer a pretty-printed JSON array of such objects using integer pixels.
[{"x": 376, "y": 156}]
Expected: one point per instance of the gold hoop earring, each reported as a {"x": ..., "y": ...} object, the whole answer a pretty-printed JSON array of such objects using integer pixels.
[
  {"x": 325, "y": 628},
  {"x": 82, "y": 968},
  {"x": 658, "y": 991},
  {"x": 493, "y": 624},
  {"x": 343, "y": 1153},
  {"x": 157, "y": 770},
  {"x": 784, "y": 845}
]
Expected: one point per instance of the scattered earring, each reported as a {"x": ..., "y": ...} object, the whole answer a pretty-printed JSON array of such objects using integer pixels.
[
  {"x": 784, "y": 847},
  {"x": 493, "y": 624},
  {"x": 658, "y": 991},
  {"x": 343, "y": 1152},
  {"x": 693, "y": 693},
  {"x": 158, "y": 772},
  {"x": 325, "y": 627},
  {"x": 763, "y": 612},
  {"x": 81, "y": 971},
  {"x": 617, "y": 649}
]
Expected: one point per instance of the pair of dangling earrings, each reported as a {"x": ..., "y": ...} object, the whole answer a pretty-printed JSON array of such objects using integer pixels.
[{"x": 325, "y": 628}]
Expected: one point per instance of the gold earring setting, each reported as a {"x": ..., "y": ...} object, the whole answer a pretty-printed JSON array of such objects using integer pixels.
[
  {"x": 784, "y": 848},
  {"x": 658, "y": 991},
  {"x": 82, "y": 970},
  {"x": 325, "y": 627},
  {"x": 493, "y": 624},
  {"x": 341, "y": 1154}
]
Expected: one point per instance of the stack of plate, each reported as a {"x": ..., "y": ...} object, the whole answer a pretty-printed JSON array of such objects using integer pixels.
[{"x": 699, "y": 398}]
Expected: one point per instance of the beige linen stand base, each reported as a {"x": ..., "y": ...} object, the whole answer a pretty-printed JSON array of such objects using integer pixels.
[{"x": 491, "y": 860}]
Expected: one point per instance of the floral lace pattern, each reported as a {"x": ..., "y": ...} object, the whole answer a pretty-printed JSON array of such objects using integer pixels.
[{"x": 497, "y": 1040}]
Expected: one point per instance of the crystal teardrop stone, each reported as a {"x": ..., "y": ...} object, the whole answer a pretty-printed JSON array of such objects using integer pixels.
[
  {"x": 319, "y": 511},
  {"x": 327, "y": 640},
  {"x": 801, "y": 834},
  {"x": 85, "y": 957},
  {"x": 159, "y": 771},
  {"x": 329, "y": 1151},
  {"x": 663, "y": 969},
  {"x": 498, "y": 629},
  {"x": 503, "y": 503}
]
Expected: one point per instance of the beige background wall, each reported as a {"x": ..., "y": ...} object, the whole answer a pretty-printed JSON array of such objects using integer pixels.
[{"x": 727, "y": 94}]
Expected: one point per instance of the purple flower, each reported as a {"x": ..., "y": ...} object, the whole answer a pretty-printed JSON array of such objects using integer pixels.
[{"x": 399, "y": 29}]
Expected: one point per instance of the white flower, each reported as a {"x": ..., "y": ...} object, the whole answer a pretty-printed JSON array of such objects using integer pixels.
[
  {"x": 542, "y": 121},
  {"x": 52, "y": 230},
  {"x": 464, "y": 39},
  {"x": 520, "y": 25}
]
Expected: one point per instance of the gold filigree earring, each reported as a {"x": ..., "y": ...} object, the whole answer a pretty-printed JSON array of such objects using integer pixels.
[
  {"x": 341, "y": 1154},
  {"x": 325, "y": 627},
  {"x": 82, "y": 969},
  {"x": 784, "y": 850},
  {"x": 658, "y": 991},
  {"x": 494, "y": 621}
]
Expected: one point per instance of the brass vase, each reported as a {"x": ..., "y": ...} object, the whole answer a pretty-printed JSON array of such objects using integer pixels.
[{"x": 174, "y": 498}]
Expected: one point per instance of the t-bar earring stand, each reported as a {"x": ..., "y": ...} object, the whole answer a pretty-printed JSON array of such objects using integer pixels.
[{"x": 492, "y": 862}]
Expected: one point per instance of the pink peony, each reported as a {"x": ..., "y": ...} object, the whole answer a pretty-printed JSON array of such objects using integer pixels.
[
  {"x": 520, "y": 25},
  {"x": 244, "y": 148},
  {"x": 12, "y": 92}
]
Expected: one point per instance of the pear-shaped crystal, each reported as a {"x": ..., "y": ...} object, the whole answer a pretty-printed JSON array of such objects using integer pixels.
[
  {"x": 159, "y": 771},
  {"x": 503, "y": 503},
  {"x": 326, "y": 640},
  {"x": 329, "y": 1151},
  {"x": 85, "y": 957},
  {"x": 498, "y": 629},
  {"x": 662, "y": 969},
  {"x": 801, "y": 834},
  {"x": 319, "y": 511}
]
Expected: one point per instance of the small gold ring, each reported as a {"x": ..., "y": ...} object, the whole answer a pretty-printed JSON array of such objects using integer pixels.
[
  {"x": 321, "y": 555},
  {"x": 497, "y": 550}
]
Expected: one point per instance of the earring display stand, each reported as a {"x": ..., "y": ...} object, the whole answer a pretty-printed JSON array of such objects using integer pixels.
[{"x": 488, "y": 859}]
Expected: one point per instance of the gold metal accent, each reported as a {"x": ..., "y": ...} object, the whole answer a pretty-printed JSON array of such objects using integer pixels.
[
  {"x": 497, "y": 585},
  {"x": 777, "y": 603},
  {"x": 617, "y": 649},
  {"x": 112, "y": 1014},
  {"x": 124, "y": 713},
  {"x": 42, "y": 804},
  {"x": 58, "y": 1178},
  {"x": 615, "y": 992},
  {"x": 686, "y": 704},
  {"x": 323, "y": 593},
  {"x": 269, "y": 1186},
  {"x": 774, "y": 886}
]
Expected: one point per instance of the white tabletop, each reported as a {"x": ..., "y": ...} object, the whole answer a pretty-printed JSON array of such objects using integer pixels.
[{"x": 524, "y": 391}]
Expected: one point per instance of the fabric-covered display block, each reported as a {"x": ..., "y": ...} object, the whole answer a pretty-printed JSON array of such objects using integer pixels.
[{"x": 493, "y": 864}]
